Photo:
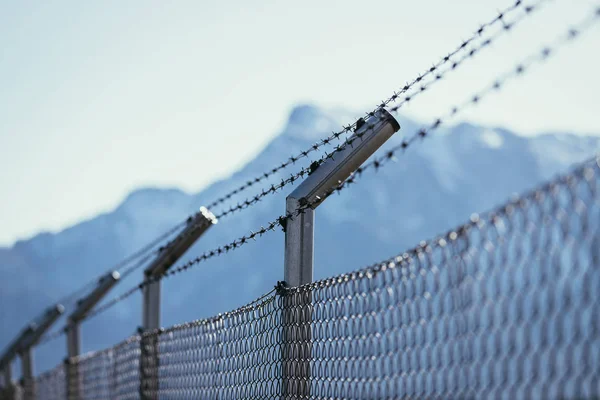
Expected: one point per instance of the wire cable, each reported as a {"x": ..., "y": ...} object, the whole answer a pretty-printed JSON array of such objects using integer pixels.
[
  {"x": 452, "y": 65},
  {"x": 521, "y": 68}
]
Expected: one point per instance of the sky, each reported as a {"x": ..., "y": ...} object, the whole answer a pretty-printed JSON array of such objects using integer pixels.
[{"x": 100, "y": 98}]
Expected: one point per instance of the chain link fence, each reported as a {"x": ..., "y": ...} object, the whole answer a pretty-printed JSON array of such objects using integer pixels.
[
  {"x": 504, "y": 306},
  {"x": 51, "y": 384},
  {"x": 109, "y": 374}
]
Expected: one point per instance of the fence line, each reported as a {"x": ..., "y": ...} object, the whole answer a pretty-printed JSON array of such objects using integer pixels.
[
  {"x": 503, "y": 305},
  {"x": 147, "y": 251},
  {"x": 541, "y": 56}
]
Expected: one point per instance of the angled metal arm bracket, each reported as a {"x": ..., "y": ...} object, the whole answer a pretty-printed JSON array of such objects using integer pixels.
[{"x": 299, "y": 244}]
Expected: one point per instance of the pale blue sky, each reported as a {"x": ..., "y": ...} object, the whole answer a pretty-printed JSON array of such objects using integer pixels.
[{"x": 99, "y": 98}]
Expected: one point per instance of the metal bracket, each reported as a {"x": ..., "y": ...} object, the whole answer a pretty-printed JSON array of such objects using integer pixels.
[
  {"x": 322, "y": 180},
  {"x": 84, "y": 306}
]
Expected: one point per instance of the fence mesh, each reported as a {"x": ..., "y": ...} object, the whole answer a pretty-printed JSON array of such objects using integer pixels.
[
  {"x": 51, "y": 384},
  {"x": 504, "y": 306},
  {"x": 109, "y": 374}
]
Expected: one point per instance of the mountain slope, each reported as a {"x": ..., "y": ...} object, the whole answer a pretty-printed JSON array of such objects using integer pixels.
[{"x": 434, "y": 186}]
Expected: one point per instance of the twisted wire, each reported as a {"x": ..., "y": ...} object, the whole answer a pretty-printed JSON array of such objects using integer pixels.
[
  {"x": 539, "y": 57},
  {"x": 521, "y": 68},
  {"x": 142, "y": 252},
  {"x": 305, "y": 171},
  {"x": 397, "y": 96},
  {"x": 499, "y": 18},
  {"x": 52, "y": 336},
  {"x": 507, "y": 26}
]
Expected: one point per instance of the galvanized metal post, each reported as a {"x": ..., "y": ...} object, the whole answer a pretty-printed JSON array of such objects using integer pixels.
[
  {"x": 8, "y": 356},
  {"x": 12, "y": 349},
  {"x": 151, "y": 309},
  {"x": 73, "y": 339},
  {"x": 27, "y": 374},
  {"x": 7, "y": 375},
  {"x": 73, "y": 331},
  {"x": 71, "y": 365},
  {"x": 7, "y": 391},
  {"x": 166, "y": 258},
  {"x": 73, "y": 388},
  {"x": 299, "y": 246},
  {"x": 196, "y": 227},
  {"x": 25, "y": 352},
  {"x": 23, "y": 346}
]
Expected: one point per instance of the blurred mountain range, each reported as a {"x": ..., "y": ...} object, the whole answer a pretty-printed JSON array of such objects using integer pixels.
[{"x": 434, "y": 186}]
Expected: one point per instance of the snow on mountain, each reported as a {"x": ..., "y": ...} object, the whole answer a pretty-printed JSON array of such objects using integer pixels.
[{"x": 434, "y": 186}]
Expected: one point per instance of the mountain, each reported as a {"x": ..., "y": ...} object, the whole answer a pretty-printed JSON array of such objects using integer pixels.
[{"x": 434, "y": 186}]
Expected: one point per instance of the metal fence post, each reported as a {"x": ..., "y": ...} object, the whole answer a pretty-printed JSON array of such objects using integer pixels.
[
  {"x": 23, "y": 345},
  {"x": 296, "y": 349},
  {"x": 84, "y": 306},
  {"x": 71, "y": 367},
  {"x": 27, "y": 374},
  {"x": 6, "y": 391},
  {"x": 26, "y": 348},
  {"x": 299, "y": 257},
  {"x": 149, "y": 361},
  {"x": 7, "y": 375},
  {"x": 8, "y": 356}
]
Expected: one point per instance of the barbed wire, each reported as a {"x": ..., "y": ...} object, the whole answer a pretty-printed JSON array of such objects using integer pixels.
[
  {"x": 73, "y": 296},
  {"x": 274, "y": 188},
  {"x": 507, "y": 26},
  {"x": 521, "y": 68},
  {"x": 394, "y": 97},
  {"x": 145, "y": 253},
  {"x": 497, "y": 85},
  {"x": 52, "y": 336},
  {"x": 305, "y": 171},
  {"x": 113, "y": 301}
]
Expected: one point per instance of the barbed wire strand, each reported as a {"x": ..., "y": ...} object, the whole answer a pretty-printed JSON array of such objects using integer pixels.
[
  {"x": 507, "y": 26},
  {"x": 304, "y": 171},
  {"x": 403, "y": 100},
  {"x": 521, "y": 68},
  {"x": 455, "y": 63},
  {"x": 497, "y": 85},
  {"x": 143, "y": 251},
  {"x": 394, "y": 97}
]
